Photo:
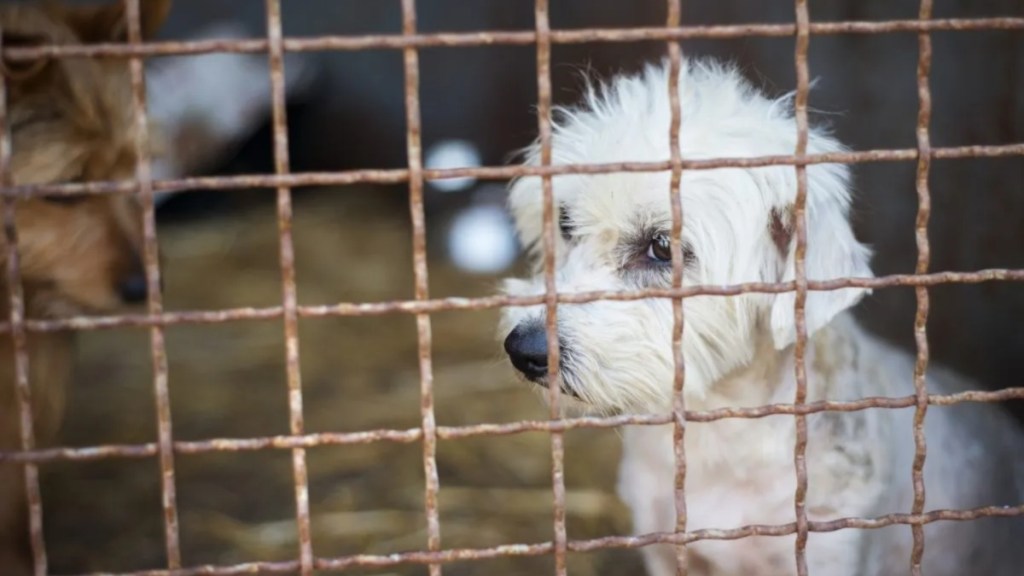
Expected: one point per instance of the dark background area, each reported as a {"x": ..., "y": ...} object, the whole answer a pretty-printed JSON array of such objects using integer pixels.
[{"x": 353, "y": 244}]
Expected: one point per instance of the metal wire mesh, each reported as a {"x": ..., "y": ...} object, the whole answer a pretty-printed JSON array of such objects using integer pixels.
[
  {"x": 19, "y": 340},
  {"x": 422, "y": 306}
]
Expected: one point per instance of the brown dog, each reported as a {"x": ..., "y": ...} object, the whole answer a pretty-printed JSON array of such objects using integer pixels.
[{"x": 70, "y": 121}]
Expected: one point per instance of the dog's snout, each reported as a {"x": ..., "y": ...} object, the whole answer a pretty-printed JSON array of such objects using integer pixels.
[
  {"x": 133, "y": 288},
  {"x": 527, "y": 348}
]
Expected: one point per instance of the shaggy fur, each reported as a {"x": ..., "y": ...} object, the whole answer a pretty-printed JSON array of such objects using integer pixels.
[
  {"x": 70, "y": 121},
  {"x": 617, "y": 356}
]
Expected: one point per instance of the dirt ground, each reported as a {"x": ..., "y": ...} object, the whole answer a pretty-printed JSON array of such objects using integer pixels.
[{"x": 358, "y": 373}]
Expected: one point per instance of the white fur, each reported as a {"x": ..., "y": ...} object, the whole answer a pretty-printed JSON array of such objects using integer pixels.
[{"x": 739, "y": 350}]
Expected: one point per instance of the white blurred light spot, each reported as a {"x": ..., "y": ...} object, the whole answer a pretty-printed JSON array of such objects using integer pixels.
[
  {"x": 452, "y": 154},
  {"x": 481, "y": 240}
]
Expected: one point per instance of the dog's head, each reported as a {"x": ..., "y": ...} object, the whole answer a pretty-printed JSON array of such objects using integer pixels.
[
  {"x": 71, "y": 120},
  {"x": 738, "y": 227}
]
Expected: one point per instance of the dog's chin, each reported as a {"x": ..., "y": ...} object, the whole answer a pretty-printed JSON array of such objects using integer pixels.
[
  {"x": 543, "y": 384},
  {"x": 570, "y": 402}
]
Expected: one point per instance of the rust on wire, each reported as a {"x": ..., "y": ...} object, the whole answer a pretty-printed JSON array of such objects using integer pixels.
[
  {"x": 791, "y": 528},
  {"x": 414, "y": 175},
  {"x": 289, "y": 299},
  {"x": 151, "y": 262},
  {"x": 288, "y": 442},
  {"x": 542, "y": 27},
  {"x": 620, "y": 542},
  {"x": 414, "y": 150},
  {"x": 803, "y": 39},
  {"x": 401, "y": 175},
  {"x": 924, "y": 96},
  {"x": 19, "y": 340},
  {"x": 509, "y": 38},
  {"x": 674, "y": 9},
  {"x": 490, "y": 302}
]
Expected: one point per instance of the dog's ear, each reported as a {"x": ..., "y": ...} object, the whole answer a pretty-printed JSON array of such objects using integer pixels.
[
  {"x": 109, "y": 22},
  {"x": 22, "y": 70},
  {"x": 832, "y": 252}
]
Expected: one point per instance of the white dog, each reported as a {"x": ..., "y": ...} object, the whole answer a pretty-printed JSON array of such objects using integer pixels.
[{"x": 616, "y": 357}]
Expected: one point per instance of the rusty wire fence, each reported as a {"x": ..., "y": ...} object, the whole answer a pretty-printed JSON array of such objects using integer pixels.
[{"x": 435, "y": 555}]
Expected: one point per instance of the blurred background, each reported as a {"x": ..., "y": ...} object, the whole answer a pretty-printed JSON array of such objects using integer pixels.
[{"x": 353, "y": 244}]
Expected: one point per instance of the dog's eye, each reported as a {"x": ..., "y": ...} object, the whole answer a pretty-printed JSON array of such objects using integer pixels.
[
  {"x": 660, "y": 250},
  {"x": 565, "y": 224}
]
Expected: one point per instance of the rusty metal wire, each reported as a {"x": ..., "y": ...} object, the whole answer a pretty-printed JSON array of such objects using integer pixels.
[
  {"x": 921, "y": 292},
  {"x": 491, "y": 302},
  {"x": 525, "y": 37},
  {"x": 401, "y": 175},
  {"x": 459, "y": 432},
  {"x": 542, "y": 26},
  {"x": 19, "y": 340},
  {"x": 622, "y": 542},
  {"x": 803, "y": 39},
  {"x": 289, "y": 304},
  {"x": 414, "y": 150},
  {"x": 675, "y": 9},
  {"x": 414, "y": 175},
  {"x": 151, "y": 261}
]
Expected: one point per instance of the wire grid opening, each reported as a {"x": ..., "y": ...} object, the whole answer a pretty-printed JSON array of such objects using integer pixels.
[{"x": 543, "y": 37}]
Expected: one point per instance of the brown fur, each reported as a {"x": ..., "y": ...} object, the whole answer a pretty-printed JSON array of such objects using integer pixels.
[{"x": 70, "y": 121}]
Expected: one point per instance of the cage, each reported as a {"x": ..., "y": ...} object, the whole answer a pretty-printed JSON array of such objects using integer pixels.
[{"x": 315, "y": 386}]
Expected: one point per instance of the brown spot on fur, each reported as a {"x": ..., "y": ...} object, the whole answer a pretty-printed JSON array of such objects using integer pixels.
[
  {"x": 70, "y": 120},
  {"x": 781, "y": 228}
]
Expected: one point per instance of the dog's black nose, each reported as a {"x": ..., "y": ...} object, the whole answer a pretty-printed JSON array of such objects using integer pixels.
[
  {"x": 133, "y": 288},
  {"x": 527, "y": 348}
]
